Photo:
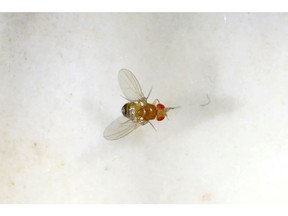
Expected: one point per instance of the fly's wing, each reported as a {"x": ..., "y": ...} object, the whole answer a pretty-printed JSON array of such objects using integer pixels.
[
  {"x": 120, "y": 127},
  {"x": 130, "y": 85}
]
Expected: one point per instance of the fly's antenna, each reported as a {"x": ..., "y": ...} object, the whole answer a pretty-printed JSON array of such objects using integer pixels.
[
  {"x": 152, "y": 125},
  {"x": 169, "y": 108}
]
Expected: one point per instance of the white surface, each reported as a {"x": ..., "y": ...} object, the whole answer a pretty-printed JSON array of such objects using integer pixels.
[{"x": 59, "y": 91}]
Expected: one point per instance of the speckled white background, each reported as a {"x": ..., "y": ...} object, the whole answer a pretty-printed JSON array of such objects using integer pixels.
[{"x": 59, "y": 90}]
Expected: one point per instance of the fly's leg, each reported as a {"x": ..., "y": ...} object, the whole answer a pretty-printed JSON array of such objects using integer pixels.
[
  {"x": 156, "y": 101},
  {"x": 143, "y": 122},
  {"x": 152, "y": 125}
]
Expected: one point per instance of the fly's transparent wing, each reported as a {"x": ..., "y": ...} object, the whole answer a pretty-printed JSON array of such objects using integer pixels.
[
  {"x": 120, "y": 127},
  {"x": 130, "y": 85}
]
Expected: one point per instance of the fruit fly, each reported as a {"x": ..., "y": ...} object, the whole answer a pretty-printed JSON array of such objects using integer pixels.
[{"x": 137, "y": 111}]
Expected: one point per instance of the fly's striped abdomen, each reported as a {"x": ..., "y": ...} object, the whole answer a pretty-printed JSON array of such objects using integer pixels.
[{"x": 133, "y": 111}]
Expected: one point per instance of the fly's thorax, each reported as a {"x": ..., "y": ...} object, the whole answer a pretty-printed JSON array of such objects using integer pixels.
[{"x": 149, "y": 111}]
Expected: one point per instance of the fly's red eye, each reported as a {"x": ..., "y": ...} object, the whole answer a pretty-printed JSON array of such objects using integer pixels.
[
  {"x": 160, "y": 106},
  {"x": 160, "y": 118}
]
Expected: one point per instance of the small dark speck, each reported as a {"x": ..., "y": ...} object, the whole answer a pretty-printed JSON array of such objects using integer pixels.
[
  {"x": 35, "y": 144},
  {"x": 12, "y": 183}
]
